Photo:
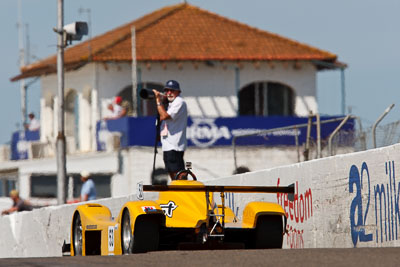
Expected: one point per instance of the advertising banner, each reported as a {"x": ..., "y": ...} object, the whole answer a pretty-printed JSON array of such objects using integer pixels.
[
  {"x": 207, "y": 132},
  {"x": 20, "y": 143}
]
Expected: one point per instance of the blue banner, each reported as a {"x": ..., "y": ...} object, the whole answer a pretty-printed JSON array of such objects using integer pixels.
[
  {"x": 207, "y": 132},
  {"x": 20, "y": 143}
]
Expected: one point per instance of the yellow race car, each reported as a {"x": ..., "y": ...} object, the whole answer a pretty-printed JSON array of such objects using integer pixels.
[{"x": 184, "y": 217}]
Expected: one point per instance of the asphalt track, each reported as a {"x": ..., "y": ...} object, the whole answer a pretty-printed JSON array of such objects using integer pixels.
[{"x": 286, "y": 257}]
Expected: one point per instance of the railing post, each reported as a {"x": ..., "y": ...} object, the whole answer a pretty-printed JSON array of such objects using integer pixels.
[
  {"x": 296, "y": 139},
  {"x": 308, "y": 137},
  {"x": 387, "y": 110},
  {"x": 335, "y": 132},
  {"x": 318, "y": 136},
  {"x": 234, "y": 151},
  {"x": 296, "y": 127}
]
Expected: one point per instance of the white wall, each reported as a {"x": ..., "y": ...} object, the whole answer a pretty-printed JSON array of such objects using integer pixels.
[
  {"x": 195, "y": 80},
  {"x": 201, "y": 80},
  {"x": 41, "y": 232},
  {"x": 83, "y": 81},
  {"x": 343, "y": 201},
  {"x": 212, "y": 88}
]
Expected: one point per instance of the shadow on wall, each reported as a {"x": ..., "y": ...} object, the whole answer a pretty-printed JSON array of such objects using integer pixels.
[
  {"x": 241, "y": 169},
  {"x": 160, "y": 177}
]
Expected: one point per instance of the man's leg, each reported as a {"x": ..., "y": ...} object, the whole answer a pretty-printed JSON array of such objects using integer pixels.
[
  {"x": 172, "y": 175},
  {"x": 174, "y": 163}
]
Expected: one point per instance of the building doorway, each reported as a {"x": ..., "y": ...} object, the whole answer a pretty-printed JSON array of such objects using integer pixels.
[{"x": 266, "y": 99}]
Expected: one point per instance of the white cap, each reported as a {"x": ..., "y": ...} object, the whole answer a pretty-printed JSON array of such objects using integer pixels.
[{"x": 85, "y": 173}]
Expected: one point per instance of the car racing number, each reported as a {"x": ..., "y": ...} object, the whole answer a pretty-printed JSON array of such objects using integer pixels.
[{"x": 110, "y": 238}]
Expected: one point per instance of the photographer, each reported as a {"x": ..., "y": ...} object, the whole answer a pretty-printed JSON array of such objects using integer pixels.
[{"x": 173, "y": 127}]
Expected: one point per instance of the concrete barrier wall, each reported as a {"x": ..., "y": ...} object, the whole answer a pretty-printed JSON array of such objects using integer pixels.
[
  {"x": 41, "y": 232},
  {"x": 343, "y": 201}
]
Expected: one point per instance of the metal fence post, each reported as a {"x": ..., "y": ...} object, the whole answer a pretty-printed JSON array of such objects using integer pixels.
[
  {"x": 308, "y": 137},
  {"x": 335, "y": 132},
  {"x": 296, "y": 139},
  {"x": 296, "y": 127},
  {"x": 387, "y": 110},
  {"x": 234, "y": 151},
  {"x": 318, "y": 136}
]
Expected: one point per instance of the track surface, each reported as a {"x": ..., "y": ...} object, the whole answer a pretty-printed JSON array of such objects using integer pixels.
[{"x": 286, "y": 257}]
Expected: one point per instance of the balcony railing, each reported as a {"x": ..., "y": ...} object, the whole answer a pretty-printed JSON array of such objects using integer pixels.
[{"x": 201, "y": 132}]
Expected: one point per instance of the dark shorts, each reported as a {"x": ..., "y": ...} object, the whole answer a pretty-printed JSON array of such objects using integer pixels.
[{"x": 174, "y": 161}]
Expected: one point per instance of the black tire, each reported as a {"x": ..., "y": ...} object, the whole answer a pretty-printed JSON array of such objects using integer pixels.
[
  {"x": 145, "y": 237},
  {"x": 126, "y": 234},
  {"x": 77, "y": 235},
  {"x": 269, "y": 232}
]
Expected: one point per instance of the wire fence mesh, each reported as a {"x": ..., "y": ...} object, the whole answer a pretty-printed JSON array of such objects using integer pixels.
[
  {"x": 385, "y": 135},
  {"x": 346, "y": 140}
]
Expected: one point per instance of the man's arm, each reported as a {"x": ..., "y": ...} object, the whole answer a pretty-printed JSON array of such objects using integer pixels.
[
  {"x": 110, "y": 108},
  {"x": 85, "y": 190},
  {"x": 84, "y": 198},
  {"x": 10, "y": 210},
  {"x": 160, "y": 108},
  {"x": 123, "y": 112}
]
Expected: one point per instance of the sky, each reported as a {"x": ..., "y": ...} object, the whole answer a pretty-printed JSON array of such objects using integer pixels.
[{"x": 363, "y": 33}]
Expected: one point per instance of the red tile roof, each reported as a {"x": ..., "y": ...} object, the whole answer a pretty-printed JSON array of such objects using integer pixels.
[{"x": 182, "y": 33}]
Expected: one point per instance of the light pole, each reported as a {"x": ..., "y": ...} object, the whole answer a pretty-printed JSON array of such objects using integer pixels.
[
  {"x": 60, "y": 145},
  {"x": 73, "y": 31},
  {"x": 21, "y": 64}
]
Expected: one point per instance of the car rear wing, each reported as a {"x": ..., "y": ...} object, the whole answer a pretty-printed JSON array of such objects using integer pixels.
[
  {"x": 207, "y": 189},
  {"x": 222, "y": 188}
]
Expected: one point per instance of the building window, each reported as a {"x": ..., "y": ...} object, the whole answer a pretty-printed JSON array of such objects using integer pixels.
[
  {"x": 6, "y": 185},
  {"x": 45, "y": 186},
  {"x": 266, "y": 99},
  {"x": 101, "y": 181}
]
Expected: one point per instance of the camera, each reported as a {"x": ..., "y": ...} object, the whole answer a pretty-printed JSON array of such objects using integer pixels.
[
  {"x": 148, "y": 93},
  {"x": 76, "y": 30}
]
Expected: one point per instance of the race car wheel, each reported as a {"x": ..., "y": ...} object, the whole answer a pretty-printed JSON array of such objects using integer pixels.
[
  {"x": 269, "y": 232},
  {"x": 126, "y": 238},
  {"x": 145, "y": 237},
  {"x": 77, "y": 235}
]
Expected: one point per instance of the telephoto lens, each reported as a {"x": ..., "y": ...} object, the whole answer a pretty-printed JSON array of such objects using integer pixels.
[{"x": 146, "y": 93}]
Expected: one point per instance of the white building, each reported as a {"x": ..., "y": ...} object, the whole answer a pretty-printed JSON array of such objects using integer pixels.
[{"x": 225, "y": 69}]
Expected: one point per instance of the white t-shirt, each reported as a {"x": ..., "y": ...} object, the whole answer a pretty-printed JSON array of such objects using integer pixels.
[
  {"x": 34, "y": 125},
  {"x": 117, "y": 110},
  {"x": 173, "y": 131}
]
